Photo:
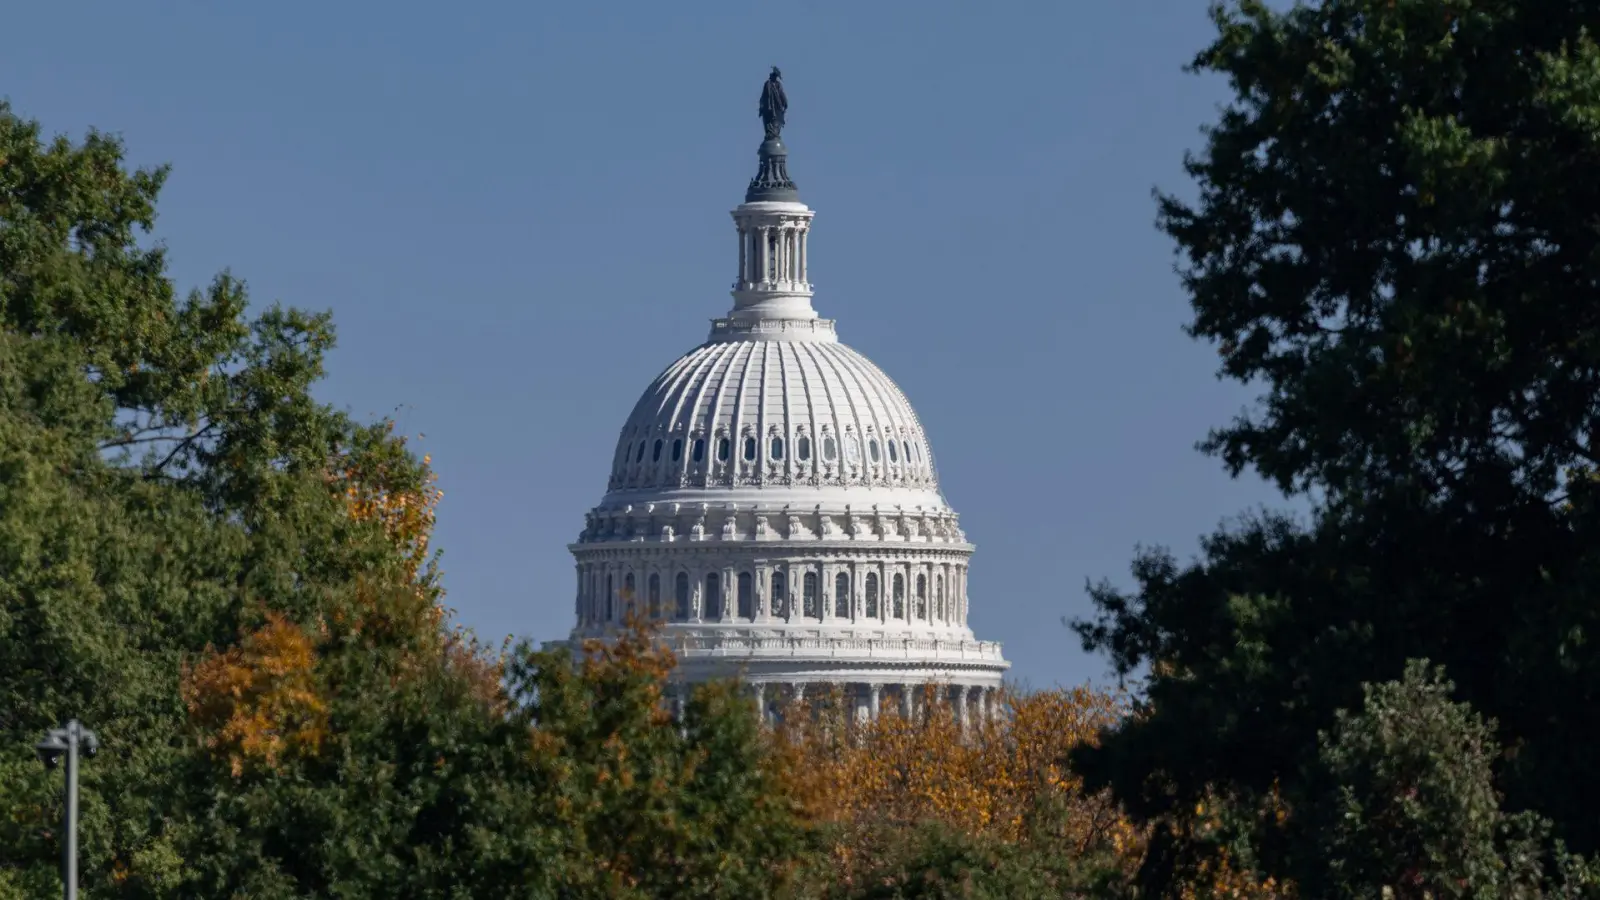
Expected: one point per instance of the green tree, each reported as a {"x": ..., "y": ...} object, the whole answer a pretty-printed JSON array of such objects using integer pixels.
[
  {"x": 1395, "y": 239},
  {"x": 233, "y": 585},
  {"x": 1401, "y": 798}
]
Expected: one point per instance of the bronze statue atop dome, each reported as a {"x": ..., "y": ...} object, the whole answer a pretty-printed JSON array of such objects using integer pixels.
[{"x": 773, "y": 104}]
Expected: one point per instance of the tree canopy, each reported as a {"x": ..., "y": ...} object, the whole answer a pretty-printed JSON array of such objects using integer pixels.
[
  {"x": 233, "y": 584},
  {"x": 1396, "y": 238}
]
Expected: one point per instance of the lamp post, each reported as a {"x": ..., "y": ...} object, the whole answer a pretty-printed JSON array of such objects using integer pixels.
[{"x": 68, "y": 741}]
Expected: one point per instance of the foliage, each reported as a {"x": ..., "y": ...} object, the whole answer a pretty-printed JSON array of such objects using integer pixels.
[
  {"x": 234, "y": 585},
  {"x": 1394, "y": 239},
  {"x": 927, "y": 805},
  {"x": 648, "y": 807},
  {"x": 1401, "y": 802}
]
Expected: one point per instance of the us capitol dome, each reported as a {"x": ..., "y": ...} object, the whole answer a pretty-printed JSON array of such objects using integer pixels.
[{"x": 774, "y": 502}]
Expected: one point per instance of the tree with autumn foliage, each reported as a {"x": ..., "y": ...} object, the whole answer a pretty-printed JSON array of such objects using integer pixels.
[
  {"x": 235, "y": 585},
  {"x": 932, "y": 806},
  {"x": 1394, "y": 239}
]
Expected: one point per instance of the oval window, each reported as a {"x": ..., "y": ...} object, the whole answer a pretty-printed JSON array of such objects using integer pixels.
[
  {"x": 722, "y": 450},
  {"x": 655, "y": 453},
  {"x": 802, "y": 449},
  {"x": 905, "y": 450},
  {"x": 852, "y": 449},
  {"x": 872, "y": 448},
  {"x": 677, "y": 449},
  {"x": 777, "y": 448},
  {"x": 640, "y": 455},
  {"x": 829, "y": 451},
  {"x": 893, "y": 457},
  {"x": 699, "y": 449},
  {"x": 749, "y": 449}
]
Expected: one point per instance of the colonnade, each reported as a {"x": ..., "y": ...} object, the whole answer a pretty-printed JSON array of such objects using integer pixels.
[
  {"x": 878, "y": 592},
  {"x": 865, "y": 701},
  {"x": 771, "y": 254}
]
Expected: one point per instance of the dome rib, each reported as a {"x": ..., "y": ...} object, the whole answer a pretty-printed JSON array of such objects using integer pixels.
[{"x": 762, "y": 389}]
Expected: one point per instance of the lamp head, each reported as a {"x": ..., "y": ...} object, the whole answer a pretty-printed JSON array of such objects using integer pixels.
[{"x": 51, "y": 749}]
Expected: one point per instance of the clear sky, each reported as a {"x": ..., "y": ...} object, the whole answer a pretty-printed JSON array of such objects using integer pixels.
[{"x": 518, "y": 214}]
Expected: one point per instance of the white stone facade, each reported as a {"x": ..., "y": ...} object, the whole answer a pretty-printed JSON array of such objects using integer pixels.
[{"x": 773, "y": 501}]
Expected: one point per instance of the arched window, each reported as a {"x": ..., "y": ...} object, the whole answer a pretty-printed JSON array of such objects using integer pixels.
[
  {"x": 627, "y": 593},
  {"x": 938, "y": 596},
  {"x": 841, "y": 595},
  {"x": 872, "y": 449},
  {"x": 677, "y": 449},
  {"x": 893, "y": 456},
  {"x": 872, "y": 595},
  {"x": 777, "y": 448},
  {"x": 655, "y": 595},
  {"x": 829, "y": 449},
  {"x": 681, "y": 588},
  {"x": 611, "y": 608},
  {"x": 655, "y": 452},
  {"x": 722, "y": 450},
  {"x": 899, "y": 596},
  {"x": 749, "y": 449},
  {"x": 699, "y": 450},
  {"x": 713, "y": 600},
  {"x": 640, "y": 455},
  {"x": 809, "y": 596},
  {"x": 802, "y": 448},
  {"x": 922, "y": 597},
  {"x": 747, "y": 596}
]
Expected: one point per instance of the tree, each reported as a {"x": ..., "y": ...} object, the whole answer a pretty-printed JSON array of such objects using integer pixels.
[
  {"x": 1401, "y": 802},
  {"x": 1395, "y": 238},
  {"x": 235, "y": 585},
  {"x": 934, "y": 807}
]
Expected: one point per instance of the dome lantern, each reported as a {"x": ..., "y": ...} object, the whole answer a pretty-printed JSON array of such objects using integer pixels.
[{"x": 772, "y": 284}]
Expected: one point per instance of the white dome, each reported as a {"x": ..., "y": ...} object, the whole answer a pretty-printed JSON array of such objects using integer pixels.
[
  {"x": 775, "y": 413},
  {"x": 773, "y": 501}
]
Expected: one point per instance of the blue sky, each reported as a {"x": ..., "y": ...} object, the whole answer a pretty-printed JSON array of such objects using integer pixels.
[{"x": 518, "y": 214}]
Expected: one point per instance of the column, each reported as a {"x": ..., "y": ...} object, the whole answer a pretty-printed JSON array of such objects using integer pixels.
[
  {"x": 874, "y": 694},
  {"x": 907, "y": 711},
  {"x": 762, "y": 589},
  {"x": 730, "y": 594},
  {"x": 763, "y": 253},
  {"x": 758, "y": 693},
  {"x": 744, "y": 241},
  {"x": 802, "y": 236},
  {"x": 961, "y": 706},
  {"x": 856, "y": 587}
]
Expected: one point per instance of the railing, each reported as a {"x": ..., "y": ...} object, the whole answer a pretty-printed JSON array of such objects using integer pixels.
[{"x": 841, "y": 647}]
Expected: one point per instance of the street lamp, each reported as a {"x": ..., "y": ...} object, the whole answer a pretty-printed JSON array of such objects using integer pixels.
[{"x": 68, "y": 741}]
